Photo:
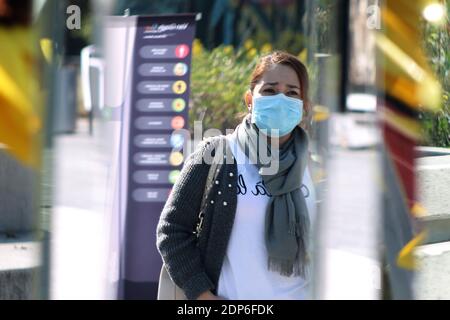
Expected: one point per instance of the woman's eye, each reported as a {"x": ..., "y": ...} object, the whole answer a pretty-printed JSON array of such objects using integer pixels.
[
  {"x": 292, "y": 93},
  {"x": 269, "y": 91}
]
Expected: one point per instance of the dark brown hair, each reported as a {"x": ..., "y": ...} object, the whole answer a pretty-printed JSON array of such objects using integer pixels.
[{"x": 280, "y": 57}]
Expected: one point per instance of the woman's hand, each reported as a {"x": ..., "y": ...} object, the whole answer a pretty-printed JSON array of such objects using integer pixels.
[{"x": 208, "y": 295}]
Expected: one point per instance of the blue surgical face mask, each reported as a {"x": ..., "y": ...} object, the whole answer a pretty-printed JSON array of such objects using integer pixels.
[{"x": 277, "y": 112}]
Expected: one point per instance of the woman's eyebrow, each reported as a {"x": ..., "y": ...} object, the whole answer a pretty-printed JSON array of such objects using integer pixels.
[{"x": 275, "y": 83}]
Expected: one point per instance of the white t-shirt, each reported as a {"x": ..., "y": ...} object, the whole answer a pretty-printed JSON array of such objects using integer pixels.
[{"x": 244, "y": 273}]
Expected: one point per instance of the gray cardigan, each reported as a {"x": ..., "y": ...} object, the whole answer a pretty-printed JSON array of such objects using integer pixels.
[{"x": 195, "y": 264}]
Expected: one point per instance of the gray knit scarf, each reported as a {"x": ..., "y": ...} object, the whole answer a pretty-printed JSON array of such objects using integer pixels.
[{"x": 287, "y": 222}]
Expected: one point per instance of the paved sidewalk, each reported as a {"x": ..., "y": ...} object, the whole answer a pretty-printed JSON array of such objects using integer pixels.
[{"x": 81, "y": 264}]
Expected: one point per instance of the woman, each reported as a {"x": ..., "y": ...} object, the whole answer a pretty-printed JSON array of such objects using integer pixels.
[{"x": 254, "y": 241}]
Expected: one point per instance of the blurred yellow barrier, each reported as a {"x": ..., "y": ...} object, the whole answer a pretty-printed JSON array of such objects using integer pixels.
[{"x": 19, "y": 95}]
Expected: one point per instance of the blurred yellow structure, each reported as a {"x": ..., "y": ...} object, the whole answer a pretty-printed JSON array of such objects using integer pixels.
[
  {"x": 20, "y": 101},
  {"x": 408, "y": 85}
]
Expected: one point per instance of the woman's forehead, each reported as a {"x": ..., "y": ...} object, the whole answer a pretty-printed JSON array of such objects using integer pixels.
[{"x": 282, "y": 74}]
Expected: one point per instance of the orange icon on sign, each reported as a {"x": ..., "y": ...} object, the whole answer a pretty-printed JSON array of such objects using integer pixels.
[{"x": 177, "y": 122}]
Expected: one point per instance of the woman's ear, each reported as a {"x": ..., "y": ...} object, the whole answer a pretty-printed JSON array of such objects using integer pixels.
[{"x": 248, "y": 97}]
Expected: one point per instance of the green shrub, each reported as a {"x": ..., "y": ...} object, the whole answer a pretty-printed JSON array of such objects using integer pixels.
[
  {"x": 436, "y": 127},
  {"x": 219, "y": 79}
]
